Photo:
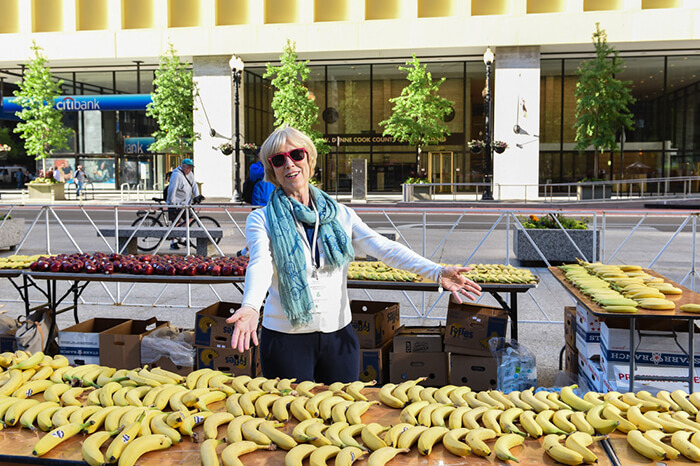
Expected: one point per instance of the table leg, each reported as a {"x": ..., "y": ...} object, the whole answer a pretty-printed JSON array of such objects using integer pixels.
[
  {"x": 633, "y": 351},
  {"x": 691, "y": 354},
  {"x": 514, "y": 315},
  {"x": 202, "y": 247},
  {"x": 51, "y": 287}
]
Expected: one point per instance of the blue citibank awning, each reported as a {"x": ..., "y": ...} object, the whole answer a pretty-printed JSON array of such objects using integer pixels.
[{"x": 79, "y": 103}]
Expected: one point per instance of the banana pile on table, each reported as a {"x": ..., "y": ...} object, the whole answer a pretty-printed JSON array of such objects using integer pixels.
[
  {"x": 624, "y": 288},
  {"x": 378, "y": 270},
  {"x": 124, "y": 414},
  {"x": 17, "y": 261},
  {"x": 499, "y": 273}
]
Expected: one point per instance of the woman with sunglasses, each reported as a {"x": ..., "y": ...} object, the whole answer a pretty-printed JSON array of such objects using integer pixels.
[{"x": 300, "y": 246}]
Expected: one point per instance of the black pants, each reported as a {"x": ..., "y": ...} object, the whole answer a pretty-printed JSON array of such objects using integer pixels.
[{"x": 321, "y": 357}]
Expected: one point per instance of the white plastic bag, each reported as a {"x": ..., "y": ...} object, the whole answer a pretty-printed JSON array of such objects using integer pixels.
[
  {"x": 517, "y": 368},
  {"x": 168, "y": 342}
]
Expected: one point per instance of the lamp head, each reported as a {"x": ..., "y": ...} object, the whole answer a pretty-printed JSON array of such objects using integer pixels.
[
  {"x": 235, "y": 63},
  {"x": 488, "y": 56}
]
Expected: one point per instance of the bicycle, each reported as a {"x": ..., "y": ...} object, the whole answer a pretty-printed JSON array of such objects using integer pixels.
[{"x": 161, "y": 218}]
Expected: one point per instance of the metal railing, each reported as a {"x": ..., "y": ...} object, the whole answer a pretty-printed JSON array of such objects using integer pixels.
[{"x": 663, "y": 240}]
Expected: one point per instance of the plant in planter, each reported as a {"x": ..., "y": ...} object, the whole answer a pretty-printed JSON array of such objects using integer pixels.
[
  {"x": 418, "y": 116},
  {"x": 41, "y": 127},
  {"x": 499, "y": 146},
  {"x": 556, "y": 244},
  {"x": 226, "y": 148},
  {"x": 476, "y": 146},
  {"x": 249, "y": 148},
  {"x": 413, "y": 180}
]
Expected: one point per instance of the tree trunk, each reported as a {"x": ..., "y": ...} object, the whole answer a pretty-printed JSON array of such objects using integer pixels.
[{"x": 596, "y": 174}]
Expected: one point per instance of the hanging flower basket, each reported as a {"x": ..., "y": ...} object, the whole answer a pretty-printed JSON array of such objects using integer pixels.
[
  {"x": 249, "y": 148},
  {"x": 226, "y": 148},
  {"x": 499, "y": 146},
  {"x": 476, "y": 146}
]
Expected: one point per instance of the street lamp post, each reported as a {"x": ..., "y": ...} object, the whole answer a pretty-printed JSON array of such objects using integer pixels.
[
  {"x": 236, "y": 65},
  {"x": 488, "y": 178}
]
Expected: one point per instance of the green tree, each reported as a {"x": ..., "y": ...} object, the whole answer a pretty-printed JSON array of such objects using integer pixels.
[
  {"x": 173, "y": 106},
  {"x": 291, "y": 103},
  {"x": 41, "y": 127},
  {"x": 601, "y": 100},
  {"x": 418, "y": 116}
]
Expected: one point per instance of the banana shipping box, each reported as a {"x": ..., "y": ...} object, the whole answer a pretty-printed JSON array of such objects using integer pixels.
[
  {"x": 374, "y": 363},
  {"x": 210, "y": 327},
  {"x": 470, "y": 326},
  {"x": 478, "y": 372},
  {"x": 571, "y": 360},
  {"x": 375, "y": 322},
  {"x": 591, "y": 373},
  {"x": 570, "y": 325},
  {"x": 82, "y": 342},
  {"x": 120, "y": 346},
  {"x": 419, "y": 339},
  {"x": 587, "y": 332},
  {"x": 619, "y": 377},
  {"x": 227, "y": 360},
  {"x": 409, "y": 366}
]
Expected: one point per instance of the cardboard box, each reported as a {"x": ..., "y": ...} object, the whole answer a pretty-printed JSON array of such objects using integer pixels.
[
  {"x": 409, "y": 366},
  {"x": 586, "y": 321},
  {"x": 375, "y": 322},
  {"x": 588, "y": 349},
  {"x": 8, "y": 343},
  {"x": 120, "y": 346},
  {"x": 227, "y": 360},
  {"x": 419, "y": 339},
  {"x": 654, "y": 336},
  {"x": 619, "y": 376},
  {"x": 210, "y": 327},
  {"x": 571, "y": 360},
  {"x": 374, "y": 363},
  {"x": 570, "y": 325},
  {"x": 81, "y": 342},
  {"x": 479, "y": 372},
  {"x": 470, "y": 326},
  {"x": 591, "y": 372}
]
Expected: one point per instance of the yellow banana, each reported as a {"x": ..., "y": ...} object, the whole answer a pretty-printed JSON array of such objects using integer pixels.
[
  {"x": 279, "y": 409},
  {"x": 43, "y": 419},
  {"x": 623, "y": 425},
  {"x": 453, "y": 443},
  {"x": 543, "y": 418},
  {"x": 133, "y": 396},
  {"x": 263, "y": 404},
  {"x": 681, "y": 398},
  {"x": 347, "y": 435},
  {"x": 370, "y": 436},
  {"x": 680, "y": 441},
  {"x": 208, "y": 451},
  {"x": 656, "y": 437},
  {"x": 135, "y": 449},
  {"x": 644, "y": 446},
  {"x": 13, "y": 383},
  {"x": 296, "y": 455},
  {"x": 90, "y": 449},
  {"x": 528, "y": 397},
  {"x": 684, "y": 418},
  {"x": 81, "y": 415},
  {"x": 355, "y": 389},
  {"x": 316, "y": 432},
  {"x": 400, "y": 390},
  {"x": 304, "y": 388},
  {"x": 455, "y": 421},
  {"x": 475, "y": 439},
  {"x": 54, "y": 392},
  {"x": 56, "y": 436},
  {"x": 15, "y": 411},
  {"x": 325, "y": 407},
  {"x": 349, "y": 455},
  {"x": 205, "y": 399},
  {"x": 232, "y": 405},
  {"x": 159, "y": 425},
  {"x": 429, "y": 438},
  {"x": 504, "y": 444},
  {"x": 250, "y": 432},
  {"x": 386, "y": 397},
  {"x": 470, "y": 418},
  {"x": 247, "y": 401},
  {"x": 127, "y": 435},
  {"x": 98, "y": 418},
  {"x": 669, "y": 424},
  {"x": 233, "y": 431},
  {"x": 490, "y": 420},
  {"x": 279, "y": 438},
  {"x": 162, "y": 399},
  {"x": 238, "y": 383},
  {"x": 298, "y": 410},
  {"x": 356, "y": 410},
  {"x": 69, "y": 397},
  {"x": 29, "y": 416},
  {"x": 572, "y": 399},
  {"x": 212, "y": 423},
  {"x": 578, "y": 419},
  {"x": 643, "y": 423},
  {"x": 559, "y": 452},
  {"x": 410, "y": 436},
  {"x": 579, "y": 442},
  {"x": 320, "y": 455},
  {"x": 339, "y": 410},
  {"x": 30, "y": 363},
  {"x": 192, "y": 377},
  {"x": 411, "y": 410},
  {"x": 333, "y": 433},
  {"x": 529, "y": 423},
  {"x": 191, "y": 421},
  {"x": 384, "y": 455}
]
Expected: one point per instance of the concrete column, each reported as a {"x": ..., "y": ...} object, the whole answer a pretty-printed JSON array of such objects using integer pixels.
[
  {"x": 69, "y": 13},
  {"x": 114, "y": 15},
  {"x": 517, "y": 102},
  {"x": 212, "y": 168}
]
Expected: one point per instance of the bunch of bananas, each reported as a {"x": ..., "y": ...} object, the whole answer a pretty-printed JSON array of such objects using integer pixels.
[
  {"x": 17, "y": 261},
  {"x": 622, "y": 288},
  {"x": 499, "y": 273},
  {"x": 127, "y": 413},
  {"x": 360, "y": 270}
]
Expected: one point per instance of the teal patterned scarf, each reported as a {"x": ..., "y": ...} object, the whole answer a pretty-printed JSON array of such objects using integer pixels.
[{"x": 288, "y": 247}]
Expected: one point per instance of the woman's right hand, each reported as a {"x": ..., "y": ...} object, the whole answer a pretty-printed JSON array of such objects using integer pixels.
[{"x": 245, "y": 328}]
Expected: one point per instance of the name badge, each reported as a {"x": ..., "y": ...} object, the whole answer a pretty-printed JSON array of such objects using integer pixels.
[{"x": 319, "y": 293}]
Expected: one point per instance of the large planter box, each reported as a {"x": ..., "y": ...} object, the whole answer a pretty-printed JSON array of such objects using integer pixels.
[
  {"x": 593, "y": 191},
  {"x": 48, "y": 192},
  {"x": 416, "y": 192},
  {"x": 11, "y": 232},
  {"x": 554, "y": 244}
]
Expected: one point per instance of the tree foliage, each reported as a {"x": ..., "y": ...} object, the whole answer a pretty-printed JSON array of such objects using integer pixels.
[
  {"x": 173, "y": 106},
  {"x": 41, "y": 127},
  {"x": 601, "y": 99},
  {"x": 418, "y": 116},
  {"x": 291, "y": 103}
]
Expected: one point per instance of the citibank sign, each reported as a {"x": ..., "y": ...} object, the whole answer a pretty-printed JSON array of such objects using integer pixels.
[{"x": 71, "y": 105}]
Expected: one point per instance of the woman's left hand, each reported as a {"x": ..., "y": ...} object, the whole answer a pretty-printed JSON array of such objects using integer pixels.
[{"x": 454, "y": 281}]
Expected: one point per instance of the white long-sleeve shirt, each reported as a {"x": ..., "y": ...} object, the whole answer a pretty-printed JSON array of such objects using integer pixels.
[{"x": 330, "y": 290}]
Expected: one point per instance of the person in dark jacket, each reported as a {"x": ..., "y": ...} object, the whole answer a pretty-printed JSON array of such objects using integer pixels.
[{"x": 262, "y": 188}]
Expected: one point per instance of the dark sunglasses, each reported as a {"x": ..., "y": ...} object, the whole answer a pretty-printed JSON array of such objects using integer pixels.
[{"x": 278, "y": 160}]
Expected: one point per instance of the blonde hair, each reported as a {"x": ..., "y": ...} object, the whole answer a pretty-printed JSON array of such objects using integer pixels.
[{"x": 277, "y": 140}]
